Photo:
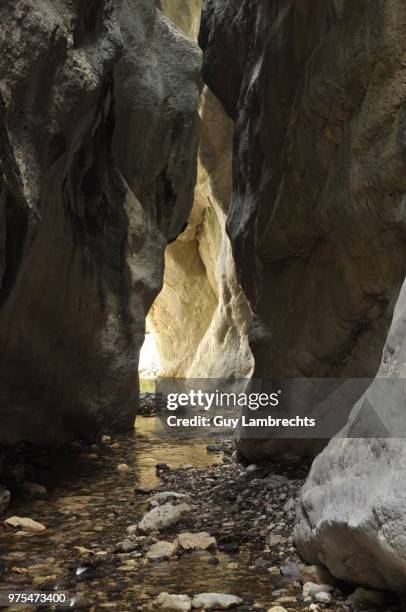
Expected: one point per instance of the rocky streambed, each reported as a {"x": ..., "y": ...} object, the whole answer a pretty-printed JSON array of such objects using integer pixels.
[{"x": 138, "y": 522}]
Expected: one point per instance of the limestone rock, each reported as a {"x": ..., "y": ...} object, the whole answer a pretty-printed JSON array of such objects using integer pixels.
[
  {"x": 123, "y": 468},
  {"x": 26, "y": 524},
  {"x": 351, "y": 511},
  {"x": 185, "y": 14},
  {"x": 181, "y": 603},
  {"x": 162, "y": 516},
  {"x": 99, "y": 129},
  {"x": 196, "y": 541},
  {"x": 161, "y": 550},
  {"x": 311, "y": 589},
  {"x": 318, "y": 180},
  {"x": 217, "y": 601}
]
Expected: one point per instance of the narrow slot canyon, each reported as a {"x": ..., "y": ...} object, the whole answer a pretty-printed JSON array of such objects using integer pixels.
[{"x": 202, "y": 199}]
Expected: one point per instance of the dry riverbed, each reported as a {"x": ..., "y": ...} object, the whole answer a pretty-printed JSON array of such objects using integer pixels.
[{"x": 134, "y": 517}]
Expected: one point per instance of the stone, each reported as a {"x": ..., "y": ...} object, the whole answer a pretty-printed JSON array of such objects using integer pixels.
[
  {"x": 215, "y": 601},
  {"x": 162, "y": 516},
  {"x": 351, "y": 508},
  {"x": 26, "y": 524},
  {"x": 161, "y": 550},
  {"x": 316, "y": 574},
  {"x": 275, "y": 539},
  {"x": 127, "y": 546},
  {"x": 323, "y": 597},
  {"x": 363, "y": 599},
  {"x": 277, "y": 609},
  {"x": 181, "y": 603},
  {"x": 311, "y": 589},
  {"x": 197, "y": 541},
  {"x": 34, "y": 489},
  {"x": 123, "y": 468},
  {"x": 165, "y": 495},
  {"x": 4, "y": 499}
]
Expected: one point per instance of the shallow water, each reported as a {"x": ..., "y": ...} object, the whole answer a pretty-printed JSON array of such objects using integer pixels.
[{"x": 90, "y": 505}]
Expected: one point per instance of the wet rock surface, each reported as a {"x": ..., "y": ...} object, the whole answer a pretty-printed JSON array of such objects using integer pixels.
[{"x": 93, "y": 549}]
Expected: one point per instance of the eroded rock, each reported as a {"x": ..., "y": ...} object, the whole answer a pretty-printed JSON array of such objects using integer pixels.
[
  {"x": 196, "y": 541},
  {"x": 316, "y": 164},
  {"x": 162, "y": 516},
  {"x": 182, "y": 603},
  {"x": 162, "y": 550},
  {"x": 99, "y": 136},
  {"x": 25, "y": 524},
  {"x": 351, "y": 510}
]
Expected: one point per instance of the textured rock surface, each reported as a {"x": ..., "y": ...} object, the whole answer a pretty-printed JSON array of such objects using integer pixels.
[
  {"x": 317, "y": 220},
  {"x": 352, "y": 516},
  {"x": 82, "y": 232},
  {"x": 201, "y": 293},
  {"x": 185, "y": 13}
]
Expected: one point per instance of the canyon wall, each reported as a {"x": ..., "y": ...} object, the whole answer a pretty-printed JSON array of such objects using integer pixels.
[
  {"x": 86, "y": 206},
  {"x": 317, "y": 225},
  {"x": 201, "y": 318}
]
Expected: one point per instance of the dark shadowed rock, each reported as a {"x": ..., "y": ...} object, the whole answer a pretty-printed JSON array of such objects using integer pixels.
[{"x": 83, "y": 223}]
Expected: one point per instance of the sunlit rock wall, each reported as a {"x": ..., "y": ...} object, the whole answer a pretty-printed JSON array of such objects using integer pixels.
[{"x": 202, "y": 317}]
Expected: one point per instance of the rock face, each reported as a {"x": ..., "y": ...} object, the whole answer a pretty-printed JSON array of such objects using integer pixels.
[
  {"x": 86, "y": 205},
  {"x": 201, "y": 293},
  {"x": 316, "y": 222},
  {"x": 352, "y": 516}
]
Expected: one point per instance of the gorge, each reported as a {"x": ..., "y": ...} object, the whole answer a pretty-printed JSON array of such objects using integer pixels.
[{"x": 230, "y": 174}]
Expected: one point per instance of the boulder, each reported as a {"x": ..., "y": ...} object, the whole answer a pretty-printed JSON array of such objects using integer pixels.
[{"x": 351, "y": 511}]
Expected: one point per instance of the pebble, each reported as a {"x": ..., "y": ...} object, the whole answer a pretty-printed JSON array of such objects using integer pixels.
[
  {"x": 277, "y": 609},
  {"x": 162, "y": 516},
  {"x": 162, "y": 550},
  {"x": 323, "y": 597},
  {"x": 182, "y": 603},
  {"x": 123, "y": 468},
  {"x": 27, "y": 524},
  {"x": 127, "y": 546},
  {"x": 310, "y": 589},
  {"x": 218, "y": 601},
  {"x": 197, "y": 541},
  {"x": 165, "y": 495}
]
